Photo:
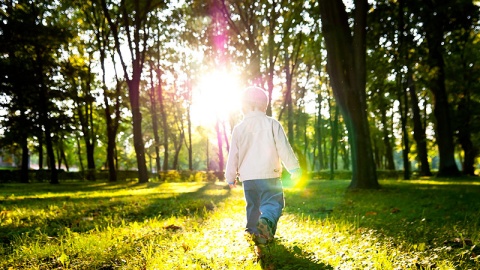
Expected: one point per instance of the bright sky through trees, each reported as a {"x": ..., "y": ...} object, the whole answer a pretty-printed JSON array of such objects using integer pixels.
[{"x": 217, "y": 95}]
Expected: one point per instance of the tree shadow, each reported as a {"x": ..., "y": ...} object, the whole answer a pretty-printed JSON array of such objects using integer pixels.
[
  {"x": 429, "y": 213},
  {"x": 277, "y": 256},
  {"x": 81, "y": 214}
]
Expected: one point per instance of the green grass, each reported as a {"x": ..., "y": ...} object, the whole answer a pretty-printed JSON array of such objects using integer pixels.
[{"x": 421, "y": 224}]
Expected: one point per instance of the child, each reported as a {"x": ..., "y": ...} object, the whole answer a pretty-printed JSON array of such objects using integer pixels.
[{"x": 258, "y": 147}]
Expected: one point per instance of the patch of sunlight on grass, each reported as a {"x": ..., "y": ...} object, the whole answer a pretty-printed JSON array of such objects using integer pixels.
[
  {"x": 99, "y": 190},
  {"x": 444, "y": 182},
  {"x": 344, "y": 246}
]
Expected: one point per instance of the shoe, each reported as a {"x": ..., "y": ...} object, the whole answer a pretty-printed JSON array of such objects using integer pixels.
[
  {"x": 265, "y": 229},
  {"x": 259, "y": 251}
]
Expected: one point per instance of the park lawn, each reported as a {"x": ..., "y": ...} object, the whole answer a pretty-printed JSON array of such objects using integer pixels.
[{"x": 418, "y": 224}]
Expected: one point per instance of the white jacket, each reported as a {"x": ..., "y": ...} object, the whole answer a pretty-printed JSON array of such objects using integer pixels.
[{"x": 258, "y": 148}]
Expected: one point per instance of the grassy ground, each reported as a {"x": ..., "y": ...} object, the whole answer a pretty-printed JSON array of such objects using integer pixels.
[{"x": 421, "y": 224}]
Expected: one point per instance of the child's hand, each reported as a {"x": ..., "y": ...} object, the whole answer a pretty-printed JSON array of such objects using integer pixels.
[
  {"x": 296, "y": 174},
  {"x": 233, "y": 185}
]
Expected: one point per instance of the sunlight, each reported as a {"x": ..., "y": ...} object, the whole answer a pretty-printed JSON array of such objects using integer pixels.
[{"x": 216, "y": 96}]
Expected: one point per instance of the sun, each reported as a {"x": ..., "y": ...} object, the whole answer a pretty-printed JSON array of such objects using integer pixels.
[{"x": 216, "y": 97}]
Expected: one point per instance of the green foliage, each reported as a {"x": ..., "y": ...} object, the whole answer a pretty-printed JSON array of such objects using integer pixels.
[{"x": 421, "y": 224}]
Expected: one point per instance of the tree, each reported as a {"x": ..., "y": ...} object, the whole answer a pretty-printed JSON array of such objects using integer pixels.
[
  {"x": 346, "y": 56},
  {"x": 78, "y": 76},
  {"x": 40, "y": 30},
  {"x": 462, "y": 60},
  {"x": 135, "y": 22},
  {"x": 92, "y": 13},
  {"x": 435, "y": 19}
]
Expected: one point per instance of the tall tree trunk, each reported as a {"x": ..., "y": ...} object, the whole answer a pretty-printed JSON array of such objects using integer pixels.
[
  {"x": 153, "y": 113},
  {"x": 317, "y": 145},
  {"x": 112, "y": 127},
  {"x": 220, "y": 147},
  {"x": 464, "y": 136},
  {"x": 272, "y": 53},
  {"x": 208, "y": 154},
  {"x": 137, "y": 44},
  {"x": 465, "y": 111},
  {"x": 46, "y": 122},
  {"x": 403, "y": 107},
  {"x": 334, "y": 143},
  {"x": 62, "y": 155},
  {"x": 225, "y": 136},
  {"x": 79, "y": 152},
  {"x": 101, "y": 35},
  {"x": 389, "y": 163},
  {"x": 402, "y": 91},
  {"x": 134, "y": 92},
  {"x": 178, "y": 147},
  {"x": 25, "y": 160},
  {"x": 419, "y": 134},
  {"x": 40, "y": 152},
  {"x": 189, "y": 143},
  {"x": 288, "y": 99},
  {"x": 346, "y": 55},
  {"x": 441, "y": 110},
  {"x": 165, "y": 127}
]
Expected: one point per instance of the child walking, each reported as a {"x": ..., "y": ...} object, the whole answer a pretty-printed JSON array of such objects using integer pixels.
[{"x": 258, "y": 148}]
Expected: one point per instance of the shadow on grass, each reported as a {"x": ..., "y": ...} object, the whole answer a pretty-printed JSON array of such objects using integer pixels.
[
  {"x": 415, "y": 210},
  {"x": 36, "y": 188},
  {"x": 435, "y": 214},
  {"x": 278, "y": 256},
  {"x": 58, "y": 212}
]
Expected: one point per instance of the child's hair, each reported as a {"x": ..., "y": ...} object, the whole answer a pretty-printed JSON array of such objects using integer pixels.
[{"x": 255, "y": 98}]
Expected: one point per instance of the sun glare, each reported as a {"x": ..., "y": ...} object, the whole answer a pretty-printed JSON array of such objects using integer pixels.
[{"x": 216, "y": 96}]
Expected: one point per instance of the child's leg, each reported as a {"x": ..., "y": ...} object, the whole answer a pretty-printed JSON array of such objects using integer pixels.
[
  {"x": 271, "y": 200},
  {"x": 252, "y": 199}
]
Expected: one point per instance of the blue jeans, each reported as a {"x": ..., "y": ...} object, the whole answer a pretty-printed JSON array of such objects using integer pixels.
[{"x": 264, "y": 199}]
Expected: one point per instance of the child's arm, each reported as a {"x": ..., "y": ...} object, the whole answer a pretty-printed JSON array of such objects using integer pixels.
[{"x": 285, "y": 151}]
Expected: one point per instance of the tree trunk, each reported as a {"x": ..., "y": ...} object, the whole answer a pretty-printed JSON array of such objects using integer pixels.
[
  {"x": 46, "y": 122},
  {"x": 317, "y": 145},
  {"x": 133, "y": 87},
  {"x": 334, "y": 143},
  {"x": 220, "y": 147},
  {"x": 418, "y": 130},
  {"x": 225, "y": 136},
  {"x": 402, "y": 91},
  {"x": 288, "y": 99},
  {"x": 441, "y": 110},
  {"x": 178, "y": 147},
  {"x": 466, "y": 113},
  {"x": 189, "y": 146},
  {"x": 25, "y": 160},
  {"x": 112, "y": 127},
  {"x": 390, "y": 164},
  {"x": 403, "y": 108},
  {"x": 79, "y": 152},
  {"x": 40, "y": 152},
  {"x": 101, "y": 35},
  {"x": 137, "y": 44},
  {"x": 166, "y": 129},
  {"x": 62, "y": 156},
  {"x": 208, "y": 154},
  {"x": 464, "y": 136},
  {"x": 153, "y": 113},
  {"x": 346, "y": 67}
]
